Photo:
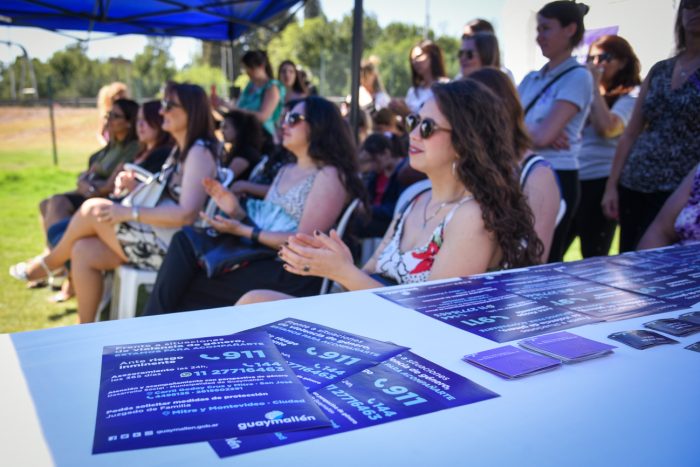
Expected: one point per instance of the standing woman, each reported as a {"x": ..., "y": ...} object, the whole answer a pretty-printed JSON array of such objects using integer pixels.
[
  {"x": 264, "y": 96},
  {"x": 104, "y": 235},
  {"x": 557, "y": 99},
  {"x": 615, "y": 70},
  {"x": 662, "y": 141},
  {"x": 289, "y": 76},
  {"x": 427, "y": 67},
  {"x": 372, "y": 96}
]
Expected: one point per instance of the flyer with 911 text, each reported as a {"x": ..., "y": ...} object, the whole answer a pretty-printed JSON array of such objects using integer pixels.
[{"x": 183, "y": 391}]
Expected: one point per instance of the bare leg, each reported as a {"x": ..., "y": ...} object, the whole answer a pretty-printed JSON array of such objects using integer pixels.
[
  {"x": 83, "y": 224},
  {"x": 261, "y": 295},
  {"x": 90, "y": 257}
]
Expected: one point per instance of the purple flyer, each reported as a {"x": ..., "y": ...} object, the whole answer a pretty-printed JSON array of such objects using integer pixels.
[
  {"x": 482, "y": 306},
  {"x": 320, "y": 355},
  {"x": 567, "y": 346},
  {"x": 176, "y": 392},
  {"x": 591, "y": 298},
  {"x": 511, "y": 362},
  {"x": 404, "y": 386}
]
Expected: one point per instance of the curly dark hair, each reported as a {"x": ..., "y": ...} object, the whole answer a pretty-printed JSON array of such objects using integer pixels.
[
  {"x": 487, "y": 165},
  {"x": 249, "y": 134},
  {"x": 331, "y": 143}
]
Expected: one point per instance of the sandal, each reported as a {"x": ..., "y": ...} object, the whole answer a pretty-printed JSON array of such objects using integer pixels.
[
  {"x": 20, "y": 271},
  {"x": 60, "y": 297}
]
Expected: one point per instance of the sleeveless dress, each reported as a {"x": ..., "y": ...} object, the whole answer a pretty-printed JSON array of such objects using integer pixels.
[{"x": 414, "y": 265}]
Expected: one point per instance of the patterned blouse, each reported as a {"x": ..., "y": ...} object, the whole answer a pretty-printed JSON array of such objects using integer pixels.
[
  {"x": 669, "y": 146},
  {"x": 687, "y": 223},
  {"x": 413, "y": 266},
  {"x": 294, "y": 199}
]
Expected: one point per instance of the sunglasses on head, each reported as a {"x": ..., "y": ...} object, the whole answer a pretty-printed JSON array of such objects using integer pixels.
[
  {"x": 600, "y": 58},
  {"x": 167, "y": 105},
  {"x": 468, "y": 54},
  {"x": 426, "y": 126},
  {"x": 690, "y": 4},
  {"x": 293, "y": 118}
]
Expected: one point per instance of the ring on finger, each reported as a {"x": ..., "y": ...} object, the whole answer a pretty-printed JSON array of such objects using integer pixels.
[{"x": 306, "y": 268}]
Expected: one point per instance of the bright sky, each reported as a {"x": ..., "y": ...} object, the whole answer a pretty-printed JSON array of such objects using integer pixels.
[{"x": 446, "y": 17}]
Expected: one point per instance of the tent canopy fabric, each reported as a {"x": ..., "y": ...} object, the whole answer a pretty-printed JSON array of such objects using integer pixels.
[{"x": 216, "y": 20}]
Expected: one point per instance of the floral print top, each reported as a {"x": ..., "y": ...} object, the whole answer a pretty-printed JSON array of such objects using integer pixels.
[
  {"x": 413, "y": 266},
  {"x": 669, "y": 146},
  {"x": 687, "y": 223}
]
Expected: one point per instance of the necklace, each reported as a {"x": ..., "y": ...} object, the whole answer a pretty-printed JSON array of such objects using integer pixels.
[{"x": 427, "y": 219}]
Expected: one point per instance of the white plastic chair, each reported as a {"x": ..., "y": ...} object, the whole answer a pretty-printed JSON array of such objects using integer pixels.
[
  {"x": 129, "y": 283},
  {"x": 340, "y": 228}
]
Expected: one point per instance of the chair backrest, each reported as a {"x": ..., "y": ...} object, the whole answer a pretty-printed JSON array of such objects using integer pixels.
[
  {"x": 409, "y": 193},
  {"x": 340, "y": 228}
]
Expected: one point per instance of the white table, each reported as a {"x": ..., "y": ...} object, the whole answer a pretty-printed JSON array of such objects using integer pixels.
[{"x": 632, "y": 408}]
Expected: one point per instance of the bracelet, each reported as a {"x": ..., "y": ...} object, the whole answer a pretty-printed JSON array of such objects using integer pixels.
[
  {"x": 135, "y": 213},
  {"x": 255, "y": 235}
]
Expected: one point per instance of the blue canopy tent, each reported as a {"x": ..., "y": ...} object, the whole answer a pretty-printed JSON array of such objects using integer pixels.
[{"x": 215, "y": 20}]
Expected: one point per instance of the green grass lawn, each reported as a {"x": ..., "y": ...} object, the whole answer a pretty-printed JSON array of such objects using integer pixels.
[{"x": 26, "y": 178}]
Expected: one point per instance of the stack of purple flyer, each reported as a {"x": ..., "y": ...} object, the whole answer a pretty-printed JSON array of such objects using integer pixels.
[
  {"x": 567, "y": 347},
  {"x": 510, "y": 362}
]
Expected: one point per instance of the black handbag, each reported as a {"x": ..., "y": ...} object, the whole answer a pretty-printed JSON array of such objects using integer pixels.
[{"x": 222, "y": 253}]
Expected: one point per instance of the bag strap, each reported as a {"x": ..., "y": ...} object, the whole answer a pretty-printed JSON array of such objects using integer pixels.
[{"x": 547, "y": 86}]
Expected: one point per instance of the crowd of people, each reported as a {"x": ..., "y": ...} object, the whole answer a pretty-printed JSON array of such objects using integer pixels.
[{"x": 501, "y": 176}]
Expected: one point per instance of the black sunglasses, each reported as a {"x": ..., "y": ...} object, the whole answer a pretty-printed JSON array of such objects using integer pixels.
[
  {"x": 469, "y": 54},
  {"x": 293, "y": 118},
  {"x": 426, "y": 126},
  {"x": 690, "y": 4},
  {"x": 600, "y": 58},
  {"x": 114, "y": 116},
  {"x": 167, "y": 105}
]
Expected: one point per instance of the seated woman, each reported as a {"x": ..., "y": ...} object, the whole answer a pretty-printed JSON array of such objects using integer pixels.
[
  {"x": 306, "y": 196},
  {"x": 538, "y": 179},
  {"x": 383, "y": 157},
  {"x": 98, "y": 180},
  {"x": 104, "y": 235},
  {"x": 155, "y": 146},
  {"x": 244, "y": 133},
  {"x": 474, "y": 220},
  {"x": 679, "y": 218}
]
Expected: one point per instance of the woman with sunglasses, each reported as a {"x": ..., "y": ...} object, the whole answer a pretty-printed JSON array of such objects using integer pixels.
[
  {"x": 556, "y": 100},
  {"x": 427, "y": 67},
  {"x": 478, "y": 50},
  {"x": 615, "y": 70},
  {"x": 104, "y": 235},
  {"x": 98, "y": 179},
  {"x": 306, "y": 196},
  {"x": 474, "y": 219},
  {"x": 660, "y": 144}
]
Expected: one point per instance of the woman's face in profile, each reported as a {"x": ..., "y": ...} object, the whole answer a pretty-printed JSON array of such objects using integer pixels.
[
  {"x": 295, "y": 130},
  {"x": 432, "y": 153}
]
